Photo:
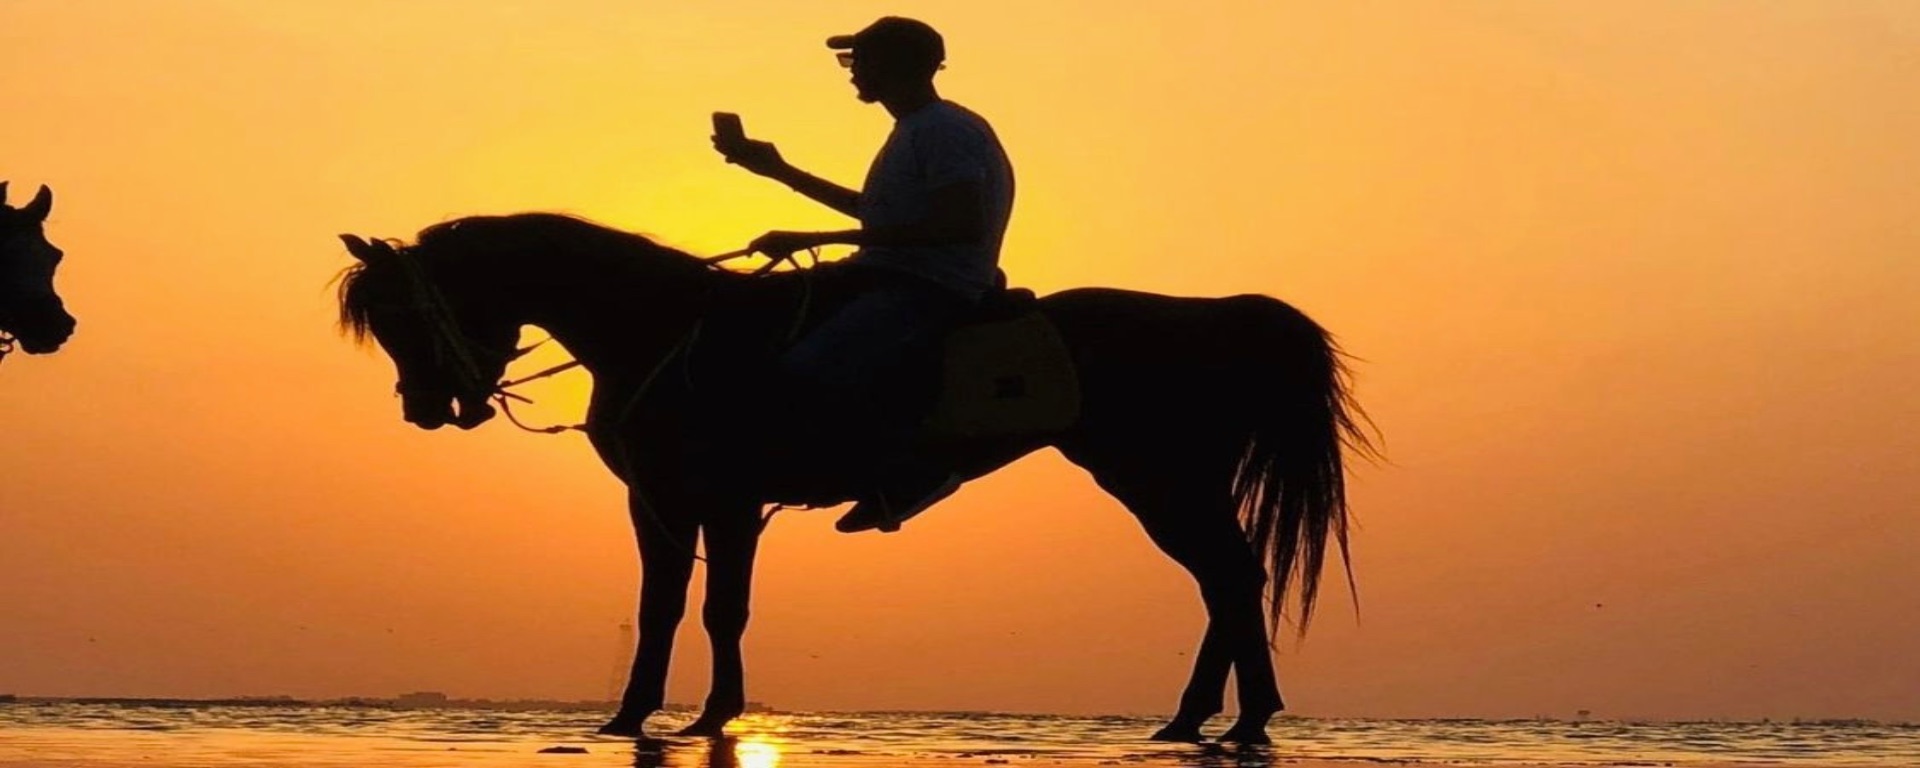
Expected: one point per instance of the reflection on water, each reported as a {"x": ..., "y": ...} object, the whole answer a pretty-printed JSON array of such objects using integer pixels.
[
  {"x": 761, "y": 752},
  {"x": 725, "y": 752},
  {"x": 754, "y": 754},
  {"x": 95, "y": 736}
]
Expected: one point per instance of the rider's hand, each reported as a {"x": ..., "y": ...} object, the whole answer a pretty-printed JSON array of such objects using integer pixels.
[
  {"x": 781, "y": 244},
  {"x": 760, "y": 157}
]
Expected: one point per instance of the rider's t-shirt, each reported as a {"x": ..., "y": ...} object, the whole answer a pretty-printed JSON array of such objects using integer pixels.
[{"x": 937, "y": 145}]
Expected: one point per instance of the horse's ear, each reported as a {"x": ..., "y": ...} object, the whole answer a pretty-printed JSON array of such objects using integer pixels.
[
  {"x": 41, "y": 205},
  {"x": 359, "y": 248},
  {"x": 3, "y": 193}
]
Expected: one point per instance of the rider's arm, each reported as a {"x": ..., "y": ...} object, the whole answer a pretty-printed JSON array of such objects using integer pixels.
[
  {"x": 953, "y": 159},
  {"x": 763, "y": 159},
  {"x": 955, "y": 214},
  {"x": 824, "y": 192}
]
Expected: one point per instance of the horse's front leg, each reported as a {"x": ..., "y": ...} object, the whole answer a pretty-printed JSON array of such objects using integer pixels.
[
  {"x": 666, "y": 564},
  {"x": 732, "y": 534}
]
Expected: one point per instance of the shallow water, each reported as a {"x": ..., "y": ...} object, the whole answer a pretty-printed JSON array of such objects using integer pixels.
[{"x": 103, "y": 734}]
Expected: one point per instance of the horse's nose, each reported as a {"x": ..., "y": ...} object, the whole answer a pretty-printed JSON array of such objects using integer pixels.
[
  {"x": 427, "y": 413},
  {"x": 44, "y": 337},
  {"x": 473, "y": 412}
]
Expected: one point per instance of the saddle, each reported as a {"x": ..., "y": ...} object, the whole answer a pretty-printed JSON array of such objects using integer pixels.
[{"x": 1003, "y": 370}]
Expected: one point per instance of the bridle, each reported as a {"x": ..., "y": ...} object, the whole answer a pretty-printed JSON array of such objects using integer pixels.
[
  {"x": 447, "y": 338},
  {"x": 451, "y": 343},
  {"x": 7, "y": 340}
]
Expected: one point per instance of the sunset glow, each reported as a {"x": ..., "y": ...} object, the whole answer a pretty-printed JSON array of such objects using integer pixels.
[{"x": 1631, "y": 288}]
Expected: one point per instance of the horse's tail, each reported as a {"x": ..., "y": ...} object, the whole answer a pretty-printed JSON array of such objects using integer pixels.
[{"x": 1290, "y": 485}]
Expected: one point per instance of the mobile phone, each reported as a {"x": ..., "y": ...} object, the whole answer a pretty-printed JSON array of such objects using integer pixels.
[{"x": 726, "y": 128}]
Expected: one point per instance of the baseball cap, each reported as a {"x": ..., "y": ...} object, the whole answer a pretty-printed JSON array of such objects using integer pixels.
[{"x": 893, "y": 37}]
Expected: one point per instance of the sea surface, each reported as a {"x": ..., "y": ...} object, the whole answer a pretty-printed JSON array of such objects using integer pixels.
[{"x": 70, "y": 734}]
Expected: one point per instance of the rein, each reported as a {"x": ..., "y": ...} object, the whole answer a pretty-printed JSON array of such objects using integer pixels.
[
  {"x": 503, "y": 395},
  {"x": 450, "y": 341}
]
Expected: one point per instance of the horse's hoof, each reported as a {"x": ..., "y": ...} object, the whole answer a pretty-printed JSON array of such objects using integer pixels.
[
  {"x": 1242, "y": 733},
  {"x": 706, "y": 726},
  {"x": 1181, "y": 732},
  {"x": 624, "y": 726}
]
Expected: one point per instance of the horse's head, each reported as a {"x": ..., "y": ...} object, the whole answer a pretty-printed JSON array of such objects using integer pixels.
[
  {"x": 449, "y": 345},
  {"x": 29, "y": 309}
]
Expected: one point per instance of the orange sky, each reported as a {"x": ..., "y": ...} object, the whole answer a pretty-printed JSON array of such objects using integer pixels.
[{"x": 1634, "y": 283}]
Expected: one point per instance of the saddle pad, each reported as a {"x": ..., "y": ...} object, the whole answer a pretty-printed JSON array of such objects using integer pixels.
[{"x": 1004, "y": 378}]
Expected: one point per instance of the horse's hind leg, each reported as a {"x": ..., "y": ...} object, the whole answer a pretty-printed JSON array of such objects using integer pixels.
[
  {"x": 1194, "y": 523},
  {"x": 1212, "y": 548}
]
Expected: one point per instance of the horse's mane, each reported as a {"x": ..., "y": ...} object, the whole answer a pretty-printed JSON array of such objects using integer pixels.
[{"x": 520, "y": 232}]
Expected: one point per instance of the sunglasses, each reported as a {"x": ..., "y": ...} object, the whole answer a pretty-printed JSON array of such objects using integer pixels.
[{"x": 846, "y": 60}]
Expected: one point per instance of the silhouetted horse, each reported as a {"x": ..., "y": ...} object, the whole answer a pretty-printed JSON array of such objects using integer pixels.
[
  {"x": 1219, "y": 423},
  {"x": 29, "y": 309}
]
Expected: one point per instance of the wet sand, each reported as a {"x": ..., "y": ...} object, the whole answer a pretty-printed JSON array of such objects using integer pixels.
[
  {"x": 337, "y": 737},
  {"x": 602, "y": 758},
  {"x": 42, "y": 748}
]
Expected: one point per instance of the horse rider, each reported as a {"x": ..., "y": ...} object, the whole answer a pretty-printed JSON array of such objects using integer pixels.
[{"x": 932, "y": 211}]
